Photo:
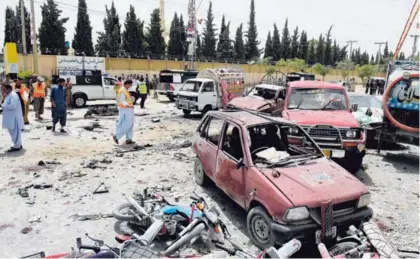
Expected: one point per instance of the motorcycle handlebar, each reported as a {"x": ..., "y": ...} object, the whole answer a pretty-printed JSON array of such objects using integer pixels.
[{"x": 93, "y": 248}]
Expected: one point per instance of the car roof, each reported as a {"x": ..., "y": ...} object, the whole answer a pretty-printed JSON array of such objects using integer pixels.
[
  {"x": 245, "y": 118},
  {"x": 269, "y": 86},
  {"x": 314, "y": 84}
]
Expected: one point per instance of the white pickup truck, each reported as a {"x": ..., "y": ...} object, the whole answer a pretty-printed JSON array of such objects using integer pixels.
[{"x": 95, "y": 87}]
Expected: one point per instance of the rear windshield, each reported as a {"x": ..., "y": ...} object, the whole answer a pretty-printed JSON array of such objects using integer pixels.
[{"x": 166, "y": 79}]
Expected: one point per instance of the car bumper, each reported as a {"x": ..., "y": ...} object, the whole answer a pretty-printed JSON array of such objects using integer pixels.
[{"x": 306, "y": 232}]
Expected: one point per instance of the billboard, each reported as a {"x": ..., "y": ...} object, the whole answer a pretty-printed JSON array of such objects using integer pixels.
[{"x": 79, "y": 63}]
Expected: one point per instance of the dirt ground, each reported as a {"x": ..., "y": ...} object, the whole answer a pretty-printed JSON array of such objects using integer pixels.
[{"x": 53, "y": 217}]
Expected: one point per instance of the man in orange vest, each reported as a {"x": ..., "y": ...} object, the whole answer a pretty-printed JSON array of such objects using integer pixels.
[
  {"x": 24, "y": 94},
  {"x": 39, "y": 93},
  {"x": 125, "y": 122}
]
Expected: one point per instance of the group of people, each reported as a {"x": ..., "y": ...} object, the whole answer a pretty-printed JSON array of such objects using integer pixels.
[
  {"x": 16, "y": 102},
  {"x": 375, "y": 86}
]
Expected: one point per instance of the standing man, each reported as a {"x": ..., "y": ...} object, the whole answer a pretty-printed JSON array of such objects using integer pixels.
[
  {"x": 24, "y": 94},
  {"x": 69, "y": 95},
  {"x": 117, "y": 88},
  {"x": 142, "y": 90},
  {"x": 125, "y": 122},
  {"x": 12, "y": 117},
  {"x": 58, "y": 105},
  {"x": 39, "y": 93},
  {"x": 155, "y": 82}
]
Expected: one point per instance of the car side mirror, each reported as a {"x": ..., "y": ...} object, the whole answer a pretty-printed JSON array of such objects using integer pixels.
[
  {"x": 354, "y": 107},
  {"x": 369, "y": 112},
  {"x": 240, "y": 163}
]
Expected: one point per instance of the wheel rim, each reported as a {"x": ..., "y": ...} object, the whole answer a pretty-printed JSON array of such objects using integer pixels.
[
  {"x": 199, "y": 173},
  {"x": 79, "y": 101},
  {"x": 133, "y": 99},
  {"x": 261, "y": 230}
]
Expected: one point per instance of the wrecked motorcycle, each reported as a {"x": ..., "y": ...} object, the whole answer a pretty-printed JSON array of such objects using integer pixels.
[
  {"x": 368, "y": 242},
  {"x": 96, "y": 251},
  {"x": 138, "y": 214}
]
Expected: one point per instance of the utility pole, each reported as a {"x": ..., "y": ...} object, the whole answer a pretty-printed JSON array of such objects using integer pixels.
[
  {"x": 192, "y": 31},
  {"x": 413, "y": 54},
  {"x": 351, "y": 52},
  {"x": 22, "y": 24},
  {"x": 33, "y": 36},
  {"x": 379, "y": 52}
]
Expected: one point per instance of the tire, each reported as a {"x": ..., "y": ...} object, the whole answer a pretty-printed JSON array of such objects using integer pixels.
[
  {"x": 200, "y": 176},
  {"x": 122, "y": 216},
  {"x": 171, "y": 98},
  {"x": 123, "y": 228},
  {"x": 79, "y": 100},
  {"x": 135, "y": 250},
  {"x": 379, "y": 241},
  {"x": 263, "y": 237},
  {"x": 206, "y": 109},
  {"x": 186, "y": 112},
  {"x": 134, "y": 97},
  {"x": 353, "y": 162},
  {"x": 341, "y": 248}
]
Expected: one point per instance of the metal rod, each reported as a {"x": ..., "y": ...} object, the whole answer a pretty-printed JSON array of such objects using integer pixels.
[
  {"x": 34, "y": 44},
  {"x": 23, "y": 29}
]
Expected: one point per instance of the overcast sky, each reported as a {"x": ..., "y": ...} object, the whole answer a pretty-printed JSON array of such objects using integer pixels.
[{"x": 367, "y": 21}]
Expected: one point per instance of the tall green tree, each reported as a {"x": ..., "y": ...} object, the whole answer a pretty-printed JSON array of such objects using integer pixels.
[
  {"x": 320, "y": 50},
  {"x": 343, "y": 53},
  {"x": 239, "y": 46},
  {"x": 225, "y": 48},
  {"x": 328, "y": 56},
  {"x": 10, "y": 29},
  {"x": 131, "y": 38},
  {"x": 222, "y": 40},
  {"x": 335, "y": 55},
  {"x": 294, "y": 47},
  {"x": 285, "y": 42},
  {"x": 401, "y": 56},
  {"x": 52, "y": 31},
  {"x": 183, "y": 36},
  {"x": 276, "y": 44},
  {"x": 27, "y": 18},
  {"x": 209, "y": 35},
  {"x": 173, "y": 44},
  {"x": 268, "y": 50},
  {"x": 252, "y": 50},
  {"x": 303, "y": 47},
  {"x": 386, "y": 51},
  {"x": 199, "y": 49},
  {"x": 312, "y": 54},
  {"x": 154, "y": 36},
  {"x": 109, "y": 40},
  {"x": 82, "y": 41},
  {"x": 372, "y": 60}
]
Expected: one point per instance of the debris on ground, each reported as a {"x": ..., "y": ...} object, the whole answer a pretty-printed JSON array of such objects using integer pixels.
[
  {"x": 101, "y": 189},
  {"x": 155, "y": 120},
  {"x": 26, "y": 230},
  {"x": 43, "y": 186},
  {"x": 93, "y": 126},
  {"x": 66, "y": 176},
  {"x": 134, "y": 148},
  {"x": 77, "y": 217},
  {"x": 102, "y": 110},
  {"x": 35, "y": 219},
  {"x": 42, "y": 163},
  {"x": 93, "y": 164},
  {"x": 184, "y": 144}
]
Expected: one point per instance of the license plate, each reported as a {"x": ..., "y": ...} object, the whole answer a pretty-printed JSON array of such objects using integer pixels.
[
  {"x": 332, "y": 234},
  {"x": 327, "y": 152}
]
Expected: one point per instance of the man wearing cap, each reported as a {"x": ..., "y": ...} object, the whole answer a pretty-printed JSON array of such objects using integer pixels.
[
  {"x": 24, "y": 94},
  {"x": 39, "y": 93},
  {"x": 12, "y": 117}
]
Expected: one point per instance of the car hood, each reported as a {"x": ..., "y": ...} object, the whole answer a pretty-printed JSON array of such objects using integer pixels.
[
  {"x": 250, "y": 103},
  {"x": 189, "y": 94},
  {"x": 342, "y": 118},
  {"x": 364, "y": 120},
  {"x": 317, "y": 181}
]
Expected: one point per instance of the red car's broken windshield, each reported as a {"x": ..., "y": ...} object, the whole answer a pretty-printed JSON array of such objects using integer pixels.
[{"x": 317, "y": 99}]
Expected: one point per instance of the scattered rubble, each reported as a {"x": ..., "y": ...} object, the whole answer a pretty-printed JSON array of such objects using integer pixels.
[
  {"x": 26, "y": 230},
  {"x": 101, "y": 189},
  {"x": 93, "y": 126},
  {"x": 77, "y": 217},
  {"x": 102, "y": 110}
]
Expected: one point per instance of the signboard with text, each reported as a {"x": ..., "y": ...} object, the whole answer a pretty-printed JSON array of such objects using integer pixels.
[{"x": 79, "y": 63}]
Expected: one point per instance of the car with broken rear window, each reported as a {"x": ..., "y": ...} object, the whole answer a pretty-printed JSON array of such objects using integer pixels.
[{"x": 272, "y": 168}]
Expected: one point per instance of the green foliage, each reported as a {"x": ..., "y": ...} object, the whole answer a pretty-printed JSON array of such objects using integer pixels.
[
  {"x": 133, "y": 36},
  {"x": 52, "y": 31},
  {"x": 25, "y": 75},
  {"x": 303, "y": 50},
  {"x": 294, "y": 47},
  {"x": 270, "y": 70},
  {"x": 321, "y": 70},
  {"x": 10, "y": 30},
  {"x": 183, "y": 37},
  {"x": 27, "y": 19},
  {"x": 198, "y": 50},
  {"x": 154, "y": 37},
  {"x": 296, "y": 64},
  {"x": 344, "y": 67},
  {"x": 224, "y": 47},
  {"x": 401, "y": 56},
  {"x": 328, "y": 56},
  {"x": 311, "y": 55},
  {"x": 174, "y": 45},
  {"x": 268, "y": 50},
  {"x": 320, "y": 50},
  {"x": 285, "y": 42},
  {"x": 209, "y": 35},
  {"x": 82, "y": 41},
  {"x": 239, "y": 46},
  {"x": 365, "y": 72},
  {"x": 109, "y": 41},
  {"x": 276, "y": 43},
  {"x": 281, "y": 63},
  {"x": 252, "y": 43}
]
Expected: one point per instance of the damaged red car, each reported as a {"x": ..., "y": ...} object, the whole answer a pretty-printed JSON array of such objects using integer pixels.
[{"x": 272, "y": 168}]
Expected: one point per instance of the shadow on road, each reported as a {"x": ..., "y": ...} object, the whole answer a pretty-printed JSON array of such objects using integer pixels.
[{"x": 364, "y": 178}]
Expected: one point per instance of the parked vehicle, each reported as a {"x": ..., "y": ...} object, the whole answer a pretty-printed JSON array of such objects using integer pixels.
[
  {"x": 211, "y": 90},
  {"x": 368, "y": 111},
  {"x": 272, "y": 168},
  {"x": 323, "y": 110},
  {"x": 171, "y": 80},
  {"x": 401, "y": 107},
  {"x": 279, "y": 78}
]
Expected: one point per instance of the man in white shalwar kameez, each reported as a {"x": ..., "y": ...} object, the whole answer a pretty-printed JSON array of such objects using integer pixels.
[
  {"x": 13, "y": 117},
  {"x": 125, "y": 122}
]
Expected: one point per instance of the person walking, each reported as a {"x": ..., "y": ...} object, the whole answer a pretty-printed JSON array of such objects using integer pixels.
[
  {"x": 24, "y": 94},
  {"x": 58, "y": 105},
  {"x": 12, "y": 117},
  {"x": 69, "y": 95},
  {"x": 155, "y": 82},
  {"x": 39, "y": 94},
  {"x": 125, "y": 122},
  {"x": 142, "y": 90}
]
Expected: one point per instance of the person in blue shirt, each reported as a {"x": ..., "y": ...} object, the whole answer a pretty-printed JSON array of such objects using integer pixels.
[{"x": 59, "y": 105}]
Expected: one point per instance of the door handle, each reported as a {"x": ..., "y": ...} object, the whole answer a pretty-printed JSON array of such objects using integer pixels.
[{"x": 214, "y": 95}]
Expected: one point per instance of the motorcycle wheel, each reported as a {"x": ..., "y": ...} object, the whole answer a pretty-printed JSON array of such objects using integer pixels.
[
  {"x": 121, "y": 212},
  {"x": 342, "y": 248},
  {"x": 379, "y": 241},
  {"x": 134, "y": 250}
]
